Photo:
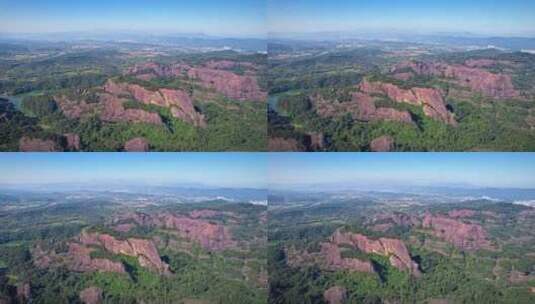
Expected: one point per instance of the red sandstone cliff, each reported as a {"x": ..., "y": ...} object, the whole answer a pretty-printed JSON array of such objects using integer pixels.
[
  {"x": 143, "y": 249},
  {"x": 429, "y": 98},
  {"x": 470, "y": 75},
  {"x": 213, "y": 75},
  {"x": 361, "y": 107},
  {"x": 461, "y": 235},
  {"x": 393, "y": 248},
  {"x": 210, "y": 236},
  {"x": 179, "y": 102}
]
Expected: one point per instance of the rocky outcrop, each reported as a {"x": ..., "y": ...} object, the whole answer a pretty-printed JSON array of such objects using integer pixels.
[
  {"x": 361, "y": 107},
  {"x": 214, "y": 75},
  {"x": 279, "y": 144},
  {"x": 211, "y": 236},
  {"x": 315, "y": 141},
  {"x": 24, "y": 292},
  {"x": 138, "y": 144},
  {"x": 79, "y": 260},
  {"x": 498, "y": 86},
  {"x": 383, "y": 143},
  {"x": 430, "y": 99},
  {"x": 393, "y": 248},
  {"x": 27, "y": 144},
  {"x": 334, "y": 261},
  {"x": 462, "y": 235},
  {"x": 229, "y": 84},
  {"x": 73, "y": 141},
  {"x": 335, "y": 295},
  {"x": 383, "y": 222},
  {"x": 179, "y": 102},
  {"x": 91, "y": 295},
  {"x": 114, "y": 111},
  {"x": 145, "y": 250}
]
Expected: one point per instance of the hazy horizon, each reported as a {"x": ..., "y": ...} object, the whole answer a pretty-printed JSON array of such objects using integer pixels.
[
  {"x": 210, "y": 17},
  {"x": 388, "y": 170},
  {"x": 233, "y": 170},
  {"x": 481, "y": 17}
]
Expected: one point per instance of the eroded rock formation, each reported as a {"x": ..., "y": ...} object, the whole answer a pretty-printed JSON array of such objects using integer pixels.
[
  {"x": 334, "y": 260},
  {"x": 73, "y": 141},
  {"x": 383, "y": 143},
  {"x": 430, "y": 99},
  {"x": 27, "y": 144},
  {"x": 395, "y": 249},
  {"x": 282, "y": 144},
  {"x": 470, "y": 75},
  {"x": 143, "y": 249},
  {"x": 138, "y": 144},
  {"x": 361, "y": 107},
  {"x": 383, "y": 222},
  {"x": 179, "y": 102},
  {"x": 335, "y": 295},
  {"x": 211, "y": 236},
  {"x": 79, "y": 259},
  {"x": 91, "y": 295},
  {"x": 214, "y": 75},
  {"x": 462, "y": 235}
]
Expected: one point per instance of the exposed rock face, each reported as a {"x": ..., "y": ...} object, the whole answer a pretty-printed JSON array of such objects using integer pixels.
[
  {"x": 383, "y": 143},
  {"x": 210, "y": 236},
  {"x": 179, "y": 102},
  {"x": 114, "y": 111},
  {"x": 138, "y": 144},
  {"x": 334, "y": 260},
  {"x": 461, "y": 235},
  {"x": 214, "y": 75},
  {"x": 383, "y": 222},
  {"x": 109, "y": 108},
  {"x": 316, "y": 141},
  {"x": 79, "y": 259},
  {"x": 459, "y": 213},
  {"x": 144, "y": 250},
  {"x": 27, "y": 144},
  {"x": 398, "y": 254},
  {"x": 229, "y": 84},
  {"x": 493, "y": 85},
  {"x": 361, "y": 107},
  {"x": 429, "y": 98},
  {"x": 282, "y": 144},
  {"x": 91, "y": 295},
  {"x": 73, "y": 141},
  {"x": 335, "y": 295},
  {"x": 24, "y": 292}
]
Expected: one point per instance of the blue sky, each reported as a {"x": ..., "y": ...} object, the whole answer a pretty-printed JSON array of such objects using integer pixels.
[
  {"x": 211, "y": 169},
  {"x": 510, "y": 17},
  {"x": 510, "y": 170},
  {"x": 215, "y": 17}
]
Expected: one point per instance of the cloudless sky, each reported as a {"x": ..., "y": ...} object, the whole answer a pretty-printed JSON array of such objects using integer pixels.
[
  {"x": 215, "y": 17},
  {"x": 509, "y": 17},
  {"x": 509, "y": 170},
  {"x": 210, "y": 169}
]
